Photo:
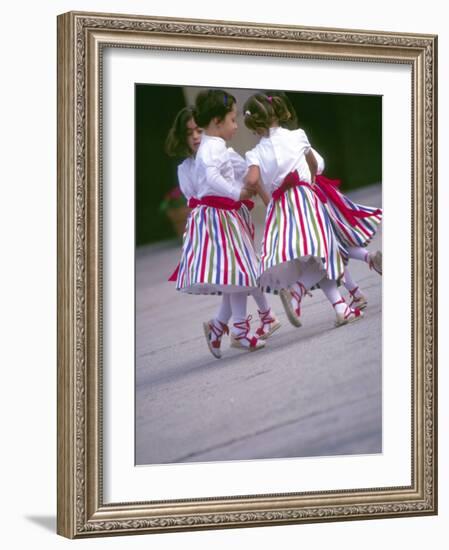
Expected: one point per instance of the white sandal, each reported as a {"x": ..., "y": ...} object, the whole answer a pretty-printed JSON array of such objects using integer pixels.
[
  {"x": 293, "y": 313},
  {"x": 253, "y": 343},
  {"x": 375, "y": 261},
  {"x": 358, "y": 303},
  {"x": 267, "y": 319},
  {"x": 214, "y": 344},
  {"x": 349, "y": 316}
]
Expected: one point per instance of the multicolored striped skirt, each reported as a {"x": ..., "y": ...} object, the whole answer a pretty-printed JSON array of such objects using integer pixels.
[
  {"x": 354, "y": 224},
  {"x": 218, "y": 250},
  {"x": 298, "y": 235}
]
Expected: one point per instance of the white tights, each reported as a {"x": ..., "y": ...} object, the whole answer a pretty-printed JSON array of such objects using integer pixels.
[
  {"x": 358, "y": 253},
  {"x": 234, "y": 305},
  {"x": 329, "y": 287}
]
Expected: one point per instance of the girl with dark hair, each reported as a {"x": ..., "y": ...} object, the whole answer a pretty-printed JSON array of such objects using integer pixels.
[
  {"x": 300, "y": 248},
  {"x": 183, "y": 140},
  {"x": 218, "y": 254}
]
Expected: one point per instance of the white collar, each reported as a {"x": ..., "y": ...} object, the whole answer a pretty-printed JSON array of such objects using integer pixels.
[
  {"x": 274, "y": 130},
  {"x": 207, "y": 137}
]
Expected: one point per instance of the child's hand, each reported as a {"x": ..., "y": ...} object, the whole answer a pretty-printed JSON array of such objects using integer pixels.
[{"x": 246, "y": 193}]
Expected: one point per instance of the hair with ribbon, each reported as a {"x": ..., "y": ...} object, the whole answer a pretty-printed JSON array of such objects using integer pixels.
[
  {"x": 262, "y": 110},
  {"x": 290, "y": 123}
]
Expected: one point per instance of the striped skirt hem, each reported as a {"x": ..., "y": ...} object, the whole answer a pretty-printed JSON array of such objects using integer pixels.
[{"x": 360, "y": 234}]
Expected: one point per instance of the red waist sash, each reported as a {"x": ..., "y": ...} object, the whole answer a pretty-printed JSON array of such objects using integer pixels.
[
  {"x": 330, "y": 189},
  {"x": 224, "y": 203},
  {"x": 292, "y": 180},
  {"x": 325, "y": 189}
]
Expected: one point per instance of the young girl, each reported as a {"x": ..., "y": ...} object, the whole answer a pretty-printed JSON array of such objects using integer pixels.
[
  {"x": 183, "y": 141},
  {"x": 354, "y": 225},
  {"x": 300, "y": 248},
  {"x": 218, "y": 251}
]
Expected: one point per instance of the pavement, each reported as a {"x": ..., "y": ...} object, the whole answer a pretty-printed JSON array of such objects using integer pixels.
[{"x": 312, "y": 391}]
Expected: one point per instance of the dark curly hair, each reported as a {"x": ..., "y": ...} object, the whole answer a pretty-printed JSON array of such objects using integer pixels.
[
  {"x": 176, "y": 142},
  {"x": 262, "y": 110},
  {"x": 210, "y": 104}
]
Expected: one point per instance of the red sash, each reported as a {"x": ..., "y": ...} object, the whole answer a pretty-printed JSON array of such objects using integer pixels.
[
  {"x": 174, "y": 276},
  {"x": 329, "y": 189},
  {"x": 224, "y": 203},
  {"x": 325, "y": 189},
  {"x": 292, "y": 180}
]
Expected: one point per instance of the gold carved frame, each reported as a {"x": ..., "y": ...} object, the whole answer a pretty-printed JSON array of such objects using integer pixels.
[{"x": 81, "y": 39}]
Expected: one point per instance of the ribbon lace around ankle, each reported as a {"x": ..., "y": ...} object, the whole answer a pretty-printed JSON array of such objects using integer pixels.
[
  {"x": 218, "y": 331},
  {"x": 298, "y": 297},
  {"x": 244, "y": 326}
]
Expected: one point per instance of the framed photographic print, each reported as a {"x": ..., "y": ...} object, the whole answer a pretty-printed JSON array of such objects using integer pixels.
[{"x": 165, "y": 421}]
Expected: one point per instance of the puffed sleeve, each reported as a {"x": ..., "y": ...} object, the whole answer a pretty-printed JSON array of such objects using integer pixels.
[
  {"x": 302, "y": 141},
  {"x": 252, "y": 157},
  {"x": 319, "y": 160},
  {"x": 185, "y": 179},
  {"x": 217, "y": 155},
  {"x": 238, "y": 163}
]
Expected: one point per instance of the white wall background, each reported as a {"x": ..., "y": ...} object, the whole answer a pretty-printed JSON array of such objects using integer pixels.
[{"x": 28, "y": 272}]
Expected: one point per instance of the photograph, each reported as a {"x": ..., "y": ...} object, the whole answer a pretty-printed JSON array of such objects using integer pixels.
[
  {"x": 246, "y": 274},
  {"x": 258, "y": 228}
]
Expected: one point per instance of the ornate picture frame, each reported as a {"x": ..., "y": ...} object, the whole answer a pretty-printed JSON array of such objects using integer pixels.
[{"x": 82, "y": 40}]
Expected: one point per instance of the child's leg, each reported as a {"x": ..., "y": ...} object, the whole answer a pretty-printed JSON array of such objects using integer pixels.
[
  {"x": 358, "y": 298},
  {"x": 238, "y": 306},
  {"x": 240, "y": 337},
  {"x": 358, "y": 253},
  {"x": 224, "y": 311},
  {"x": 291, "y": 299},
  {"x": 260, "y": 299},
  {"x": 215, "y": 328},
  {"x": 268, "y": 321},
  {"x": 345, "y": 314},
  {"x": 373, "y": 259}
]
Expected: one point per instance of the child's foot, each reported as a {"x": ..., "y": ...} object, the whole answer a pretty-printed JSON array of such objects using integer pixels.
[
  {"x": 375, "y": 261},
  {"x": 240, "y": 337},
  {"x": 291, "y": 300},
  {"x": 359, "y": 300},
  {"x": 346, "y": 314},
  {"x": 268, "y": 324},
  {"x": 213, "y": 331}
]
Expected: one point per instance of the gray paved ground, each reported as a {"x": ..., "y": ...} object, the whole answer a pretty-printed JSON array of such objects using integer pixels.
[{"x": 313, "y": 391}]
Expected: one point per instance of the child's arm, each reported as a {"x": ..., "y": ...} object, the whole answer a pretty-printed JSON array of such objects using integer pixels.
[
  {"x": 263, "y": 194},
  {"x": 313, "y": 165},
  {"x": 253, "y": 182}
]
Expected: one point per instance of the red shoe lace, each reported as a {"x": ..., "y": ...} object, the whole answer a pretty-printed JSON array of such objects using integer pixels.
[
  {"x": 244, "y": 326},
  {"x": 218, "y": 331},
  {"x": 265, "y": 319},
  {"x": 353, "y": 293},
  {"x": 298, "y": 297},
  {"x": 349, "y": 310}
]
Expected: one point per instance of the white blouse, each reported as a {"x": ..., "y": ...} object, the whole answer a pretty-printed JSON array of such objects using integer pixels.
[
  {"x": 319, "y": 160},
  {"x": 218, "y": 170},
  {"x": 186, "y": 177},
  {"x": 280, "y": 153}
]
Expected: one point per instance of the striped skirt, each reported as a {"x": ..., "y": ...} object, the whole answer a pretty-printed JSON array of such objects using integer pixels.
[
  {"x": 351, "y": 230},
  {"x": 298, "y": 236},
  {"x": 218, "y": 252}
]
